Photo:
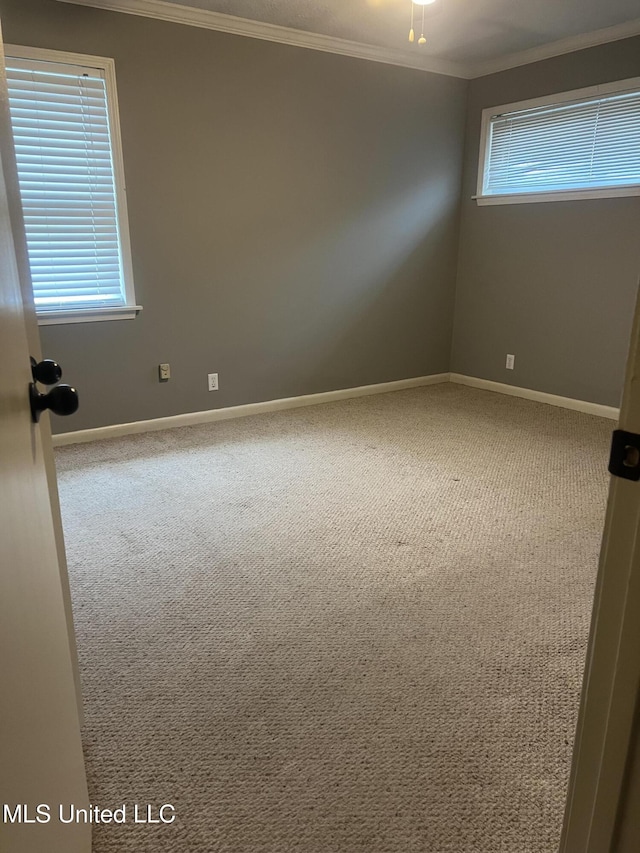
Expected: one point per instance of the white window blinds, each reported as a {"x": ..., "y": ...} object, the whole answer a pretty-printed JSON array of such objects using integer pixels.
[
  {"x": 60, "y": 120},
  {"x": 587, "y": 143}
]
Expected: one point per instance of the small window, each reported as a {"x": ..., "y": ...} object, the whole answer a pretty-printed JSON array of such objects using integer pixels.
[
  {"x": 582, "y": 144},
  {"x": 65, "y": 127}
]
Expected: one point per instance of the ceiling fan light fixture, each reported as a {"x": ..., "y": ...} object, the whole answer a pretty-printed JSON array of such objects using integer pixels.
[{"x": 412, "y": 36}]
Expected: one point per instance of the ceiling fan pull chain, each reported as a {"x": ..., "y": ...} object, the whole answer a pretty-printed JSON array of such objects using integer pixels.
[{"x": 422, "y": 39}]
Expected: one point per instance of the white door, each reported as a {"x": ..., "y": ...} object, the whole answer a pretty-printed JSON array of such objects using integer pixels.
[
  {"x": 41, "y": 761},
  {"x": 604, "y": 791}
]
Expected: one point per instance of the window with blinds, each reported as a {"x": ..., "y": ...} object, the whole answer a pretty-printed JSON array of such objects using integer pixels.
[
  {"x": 576, "y": 144},
  {"x": 71, "y": 187}
]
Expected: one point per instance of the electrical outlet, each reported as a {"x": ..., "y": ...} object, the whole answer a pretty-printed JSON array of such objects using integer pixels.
[
  {"x": 164, "y": 372},
  {"x": 213, "y": 381},
  {"x": 511, "y": 362}
]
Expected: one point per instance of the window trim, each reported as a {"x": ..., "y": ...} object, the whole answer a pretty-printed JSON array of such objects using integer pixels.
[
  {"x": 107, "y": 67},
  {"x": 550, "y": 195}
]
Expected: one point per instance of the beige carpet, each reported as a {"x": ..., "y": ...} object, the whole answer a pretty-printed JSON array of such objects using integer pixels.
[{"x": 352, "y": 628}]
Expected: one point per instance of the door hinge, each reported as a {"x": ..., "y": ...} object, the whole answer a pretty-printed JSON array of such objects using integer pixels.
[{"x": 624, "y": 460}]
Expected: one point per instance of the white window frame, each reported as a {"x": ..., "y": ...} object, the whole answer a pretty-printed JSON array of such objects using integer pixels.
[
  {"x": 546, "y": 195},
  {"x": 107, "y": 67}
]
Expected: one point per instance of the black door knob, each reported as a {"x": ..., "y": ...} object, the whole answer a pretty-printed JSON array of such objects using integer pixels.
[
  {"x": 47, "y": 372},
  {"x": 62, "y": 400}
]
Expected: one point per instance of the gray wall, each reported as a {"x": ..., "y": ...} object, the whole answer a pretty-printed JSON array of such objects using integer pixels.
[
  {"x": 294, "y": 217},
  {"x": 554, "y": 283},
  {"x": 294, "y": 224}
]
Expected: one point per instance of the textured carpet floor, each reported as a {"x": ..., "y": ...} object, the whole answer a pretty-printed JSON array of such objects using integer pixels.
[{"x": 352, "y": 628}]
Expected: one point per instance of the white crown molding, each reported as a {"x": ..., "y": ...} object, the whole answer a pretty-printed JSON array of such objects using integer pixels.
[
  {"x": 206, "y": 19},
  {"x": 555, "y": 48}
]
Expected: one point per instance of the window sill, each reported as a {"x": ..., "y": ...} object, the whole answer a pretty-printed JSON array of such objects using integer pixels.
[
  {"x": 560, "y": 195},
  {"x": 87, "y": 315}
]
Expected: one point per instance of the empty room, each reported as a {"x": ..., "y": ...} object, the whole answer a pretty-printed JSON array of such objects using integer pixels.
[{"x": 319, "y": 427}]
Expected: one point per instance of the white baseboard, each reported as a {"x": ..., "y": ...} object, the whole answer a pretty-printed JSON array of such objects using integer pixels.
[
  {"x": 191, "y": 418},
  {"x": 539, "y": 396}
]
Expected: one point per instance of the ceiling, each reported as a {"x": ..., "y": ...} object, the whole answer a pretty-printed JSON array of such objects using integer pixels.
[
  {"x": 464, "y": 38},
  {"x": 464, "y": 31}
]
